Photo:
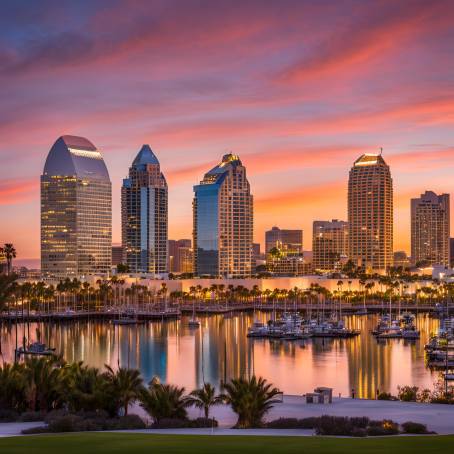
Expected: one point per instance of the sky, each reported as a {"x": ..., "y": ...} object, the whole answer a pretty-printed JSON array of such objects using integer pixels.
[{"x": 298, "y": 89}]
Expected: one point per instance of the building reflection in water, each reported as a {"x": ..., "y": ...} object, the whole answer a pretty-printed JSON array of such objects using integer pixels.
[{"x": 219, "y": 350}]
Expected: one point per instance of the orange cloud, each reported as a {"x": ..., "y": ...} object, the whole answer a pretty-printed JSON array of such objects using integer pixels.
[{"x": 18, "y": 191}]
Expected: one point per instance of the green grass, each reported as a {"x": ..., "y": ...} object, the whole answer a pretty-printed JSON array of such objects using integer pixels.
[{"x": 171, "y": 444}]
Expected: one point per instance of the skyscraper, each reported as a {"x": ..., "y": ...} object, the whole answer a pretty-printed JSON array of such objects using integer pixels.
[
  {"x": 370, "y": 213},
  {"x": 430, "y": 229},
  {"x": 223, "y": 221},
  {"x": 76, "y": 211},
  {"x": 284, "y": 239},
  {"x": 329, "y": 244},
  {"x": 144, "y": 215}
]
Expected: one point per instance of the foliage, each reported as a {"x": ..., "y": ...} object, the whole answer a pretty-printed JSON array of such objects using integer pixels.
[
  {"x": 407, "y": 393},
  {"x": 163, "y": 401},
  {"x": 205, "y": 398},
  {"x": 386, "y": 396},
  {"x": 250, "y": 399},
  {"x": 293, "y": 423},
  {"x": 174, "y": 423},
  {"x": 411, "y": 427}
]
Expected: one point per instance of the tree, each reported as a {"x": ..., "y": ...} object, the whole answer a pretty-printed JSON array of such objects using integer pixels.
[
  {"x": 250, "y": 399},
  {"x": 7, "y": 288},
  {"x": 125, "y": 384},
  {"x": 162, "y": 401},
  {"x": 205, "y": 398},
  {"x": 122, "y": 268},
  {"x": 9, "y": 252}
]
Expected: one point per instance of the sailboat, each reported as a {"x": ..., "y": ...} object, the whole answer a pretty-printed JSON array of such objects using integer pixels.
[{"x": 193, "y": 322}]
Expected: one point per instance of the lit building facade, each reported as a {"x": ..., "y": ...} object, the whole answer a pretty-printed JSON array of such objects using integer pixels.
[
  {"x": 181, "y": 257},
  {"x": 144, "y": 215},
  {"x": 223, "y": 221},
  {"x": 329, "y": 244},
  {"x": 76, "y": 211},
  {"x": 284, "y": 239},
  {"x": 370, "y": 213},
  {"x": 430, "y": 229}
]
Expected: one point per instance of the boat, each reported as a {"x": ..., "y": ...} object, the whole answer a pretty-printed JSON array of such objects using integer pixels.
[
  {"x": 194, "y": 323},
  {"x": 36, "y": 349}
]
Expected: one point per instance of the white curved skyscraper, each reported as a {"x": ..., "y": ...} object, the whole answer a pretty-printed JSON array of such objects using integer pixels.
[{"x": 76, "y": 211}]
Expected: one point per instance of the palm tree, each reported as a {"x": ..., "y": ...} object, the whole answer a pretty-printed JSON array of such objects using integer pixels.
[
  {"x": 205, "y": 398},
  {"x": 250, "y": 399},
  {"x": 162, "y": 401},
  {"x": 126, "y": 385},
  {"x": 9, "y": 252}
]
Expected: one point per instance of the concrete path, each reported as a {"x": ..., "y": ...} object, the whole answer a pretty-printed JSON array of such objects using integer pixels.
[{"x": 8, "y": 429}]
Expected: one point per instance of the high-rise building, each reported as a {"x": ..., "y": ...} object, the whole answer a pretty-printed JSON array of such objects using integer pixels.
[
  {"x": 329, "y": 244},
  {"x": 223, "y": 221},
  {"x": 284, "y": 239},
  {"x": 401, "y": 259},
  {"x": 117, "y": 255},
  {"x": 144, "y": 215},
  {"x": 180, "y": 259},
  {"x": 430, "y": 229},
  {"x": 370, "y": 213},
  {"x": 76, "y": 211}
]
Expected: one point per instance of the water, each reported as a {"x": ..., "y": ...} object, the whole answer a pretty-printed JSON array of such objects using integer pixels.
[{"x": 220, "y": 350}]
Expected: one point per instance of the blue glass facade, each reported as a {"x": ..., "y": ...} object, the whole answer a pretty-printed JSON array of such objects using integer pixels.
[{"x": 207, "y": 227}]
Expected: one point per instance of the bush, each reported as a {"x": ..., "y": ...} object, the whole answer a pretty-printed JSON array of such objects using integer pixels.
[
  {"x": 130, "y": 422},
  {"x": 8, "y": 415},
  {"x": 68, "y": 423},
  {"x": 408, "y": 393},
  {"x": 385, "y": 427},
  {"x": 175, "y": 423},
  {"x": 361, "y": 422},
  {"x": 411, "y": 427},
  {"x": 293, "y": 423},
  {"x": 358, "y": 432},
  {"x": 334, "y": 425},
  {"x": 31, "y": 416},
  {"x": 386, "y": 396}
]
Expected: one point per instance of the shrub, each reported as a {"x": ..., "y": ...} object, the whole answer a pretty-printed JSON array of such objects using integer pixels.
[
  {"x": 31, "y": 416},
  {"x": 334, "y": 425},
  {"x": 385, "y": 427},
  {"x": 386, "y": 396},
  {"x": 408, "y": 393},
  {"x": 358, "y": 432},
  {"x": 67, "y": 423},
  {"x": 174, "y": 423},
  {"x": 360, "y": 422},
  {"x": 130, "y": 422},
  {"x": 411, "y": 427},
  {"x": 8, "y": 415},
  {"x": 293, "y": 423},
  {"x": 55, "y": 414}
]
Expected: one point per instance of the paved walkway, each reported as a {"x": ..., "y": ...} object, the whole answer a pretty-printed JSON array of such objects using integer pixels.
[{"x": 437, "y": 417}]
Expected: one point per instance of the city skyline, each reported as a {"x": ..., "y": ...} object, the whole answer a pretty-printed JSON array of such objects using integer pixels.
[{"x": 298, "y": 108}]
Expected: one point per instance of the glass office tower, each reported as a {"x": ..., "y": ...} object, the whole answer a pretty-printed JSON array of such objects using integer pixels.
[
  {"x": 223, "y": 221},
  {"x": 76, "y": 211},
  {"x": 144, "y": 202}
]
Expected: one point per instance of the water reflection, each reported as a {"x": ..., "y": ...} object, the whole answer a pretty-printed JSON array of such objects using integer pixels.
[{"x": 220, "y": 350}]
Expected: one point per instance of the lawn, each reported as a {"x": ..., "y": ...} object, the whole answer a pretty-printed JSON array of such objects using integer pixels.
[{"x": 143, "y": 443}]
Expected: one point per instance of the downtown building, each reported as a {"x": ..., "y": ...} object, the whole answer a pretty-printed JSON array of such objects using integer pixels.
[
  {"x": 284, "y": 252},
  {"x": 76, "y": 211},
  {"x": 370, "y": 214},
  {"x": 430, "y": 229},
  {"x": 180, "y": 258},
  {"x": 223, "y": 221},
  {"x": 329, "y": 245},
  {"x": 144, "y": 215}
]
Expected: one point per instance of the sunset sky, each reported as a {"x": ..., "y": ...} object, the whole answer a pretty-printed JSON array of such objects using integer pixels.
[{"x": 297, "y": 89}]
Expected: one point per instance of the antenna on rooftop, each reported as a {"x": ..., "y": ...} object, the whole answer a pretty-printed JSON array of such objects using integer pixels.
[{"x": 381, "y": 151}]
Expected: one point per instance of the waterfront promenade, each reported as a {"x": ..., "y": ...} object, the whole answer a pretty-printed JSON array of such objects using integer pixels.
[{"x": 437, "y": 417}]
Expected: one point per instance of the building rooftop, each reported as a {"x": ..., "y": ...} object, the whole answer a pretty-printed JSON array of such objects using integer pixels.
[
  {"x": 369, "y": 159},
  {"x": 75, "y": 156},
  {"x": 145, "y": 156}
]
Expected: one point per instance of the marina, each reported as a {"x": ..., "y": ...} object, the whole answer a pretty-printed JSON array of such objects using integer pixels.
[{"x": 220, "y": 349}]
